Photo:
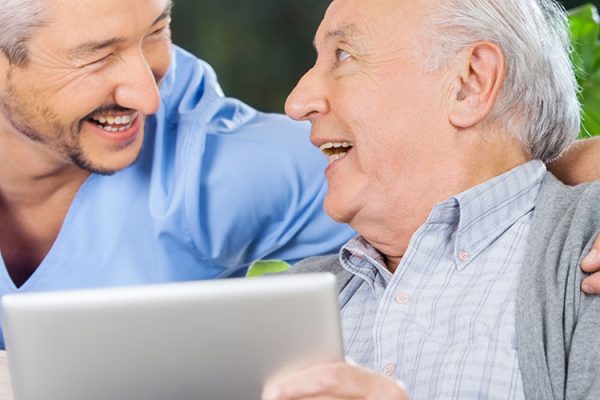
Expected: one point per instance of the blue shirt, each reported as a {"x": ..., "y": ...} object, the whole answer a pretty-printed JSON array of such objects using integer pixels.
[
  {"x": 444, "y": 322},
  {"x": 217, "y": 186}
]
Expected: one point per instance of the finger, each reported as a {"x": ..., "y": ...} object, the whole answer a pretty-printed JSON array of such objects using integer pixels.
[
  {"x": 591, "y": 262},
  {"x": 334, "y": 381},
  {"x": 313, "y": 382},
  {"x": 591, "y": 284}
]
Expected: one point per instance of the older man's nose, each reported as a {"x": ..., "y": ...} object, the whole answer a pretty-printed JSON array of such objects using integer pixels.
[
  {"x": 138, "y": 89},
  {"x": 307, "y": 99}
]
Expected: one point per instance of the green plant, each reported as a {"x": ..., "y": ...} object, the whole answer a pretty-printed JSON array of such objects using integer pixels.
[
  {"x": 585, "y": 32},
  {"x": 262, "y": 267}
]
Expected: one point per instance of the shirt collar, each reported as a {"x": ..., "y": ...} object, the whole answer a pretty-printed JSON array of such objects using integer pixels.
[
  {"x": 489, "y": 209},
  {"x": 360, "y": 258},
  {"x": 481, "y": 214}
]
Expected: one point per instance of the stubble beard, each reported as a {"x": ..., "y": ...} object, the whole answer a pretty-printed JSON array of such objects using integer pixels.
[{"x": 63, "y": 141}]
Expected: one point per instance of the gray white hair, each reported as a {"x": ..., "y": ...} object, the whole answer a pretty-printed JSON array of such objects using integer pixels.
[
  {"x": 19, "y": 20},
  {"x": 538, "y": 103}
]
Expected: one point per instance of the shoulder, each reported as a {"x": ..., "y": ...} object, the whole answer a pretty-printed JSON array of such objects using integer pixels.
[
  {"x": 328, "y": 263},
  {"x": 555, "y": 197},
  {"x": 192, "y": 96},
  {"x": 566, "y": 212},
  {"x": 555, "y": 321},
  {"x": 565, "y": 225}
]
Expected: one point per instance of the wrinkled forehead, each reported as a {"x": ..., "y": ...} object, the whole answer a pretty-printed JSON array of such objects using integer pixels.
[
  {"x": 376, "y": 20},
  {"x": 77, "y": 20}
]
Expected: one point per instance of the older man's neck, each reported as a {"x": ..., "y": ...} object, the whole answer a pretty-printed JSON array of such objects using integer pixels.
[
  {"x": 472, "y": 165},
  {"x": 392, "y": 263},
  {"x": 490, "y": 157}
]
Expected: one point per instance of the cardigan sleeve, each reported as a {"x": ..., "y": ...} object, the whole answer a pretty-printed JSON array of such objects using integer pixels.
[{"x": 583, "y": 365}]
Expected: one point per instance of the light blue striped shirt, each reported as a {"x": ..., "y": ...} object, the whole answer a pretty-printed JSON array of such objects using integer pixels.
[{"x": 444, "y": 323}]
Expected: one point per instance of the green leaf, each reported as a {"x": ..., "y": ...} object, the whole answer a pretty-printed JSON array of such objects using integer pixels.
[
  {"x": 585, "y": 32},
  {"x": 584, "y": 36},
  {"x": 262, "y": 267}
]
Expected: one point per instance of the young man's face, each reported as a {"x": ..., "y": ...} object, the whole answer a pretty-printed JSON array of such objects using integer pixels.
[{"x": 90, "y": 81}]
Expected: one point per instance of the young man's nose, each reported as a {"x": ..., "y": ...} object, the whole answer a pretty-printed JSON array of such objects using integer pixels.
[{"x": 138, "y": 89}]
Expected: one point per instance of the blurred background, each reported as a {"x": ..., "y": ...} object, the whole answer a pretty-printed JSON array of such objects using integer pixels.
[{"x": 259, "y": 48}]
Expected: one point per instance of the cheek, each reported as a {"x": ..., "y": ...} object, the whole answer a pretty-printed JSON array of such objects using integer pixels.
[
  {"x": 78, "y": 101},
  {"x": 158, "y": 57},
  {"x": 70, "y": 93},
  {"x": 384, "y": 155}
]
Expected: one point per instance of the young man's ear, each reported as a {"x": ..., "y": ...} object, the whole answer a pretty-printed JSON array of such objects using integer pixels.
[{"x": 480, "y": 76}]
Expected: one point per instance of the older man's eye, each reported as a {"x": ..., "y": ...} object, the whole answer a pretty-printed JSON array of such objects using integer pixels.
[{"x": 342, "y": 55}]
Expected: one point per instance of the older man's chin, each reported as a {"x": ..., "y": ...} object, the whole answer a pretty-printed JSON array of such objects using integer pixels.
[{"x": 334, "y": 208}]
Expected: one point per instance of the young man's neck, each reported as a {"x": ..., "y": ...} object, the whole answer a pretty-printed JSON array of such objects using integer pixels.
[{"x": 30, "y": 174}]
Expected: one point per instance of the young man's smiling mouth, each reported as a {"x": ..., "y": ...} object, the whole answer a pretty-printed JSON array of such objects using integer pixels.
[{"x": 113, "y": 123}]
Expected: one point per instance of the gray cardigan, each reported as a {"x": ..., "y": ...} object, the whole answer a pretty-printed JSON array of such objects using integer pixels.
[{"x": 557, "y": 326}]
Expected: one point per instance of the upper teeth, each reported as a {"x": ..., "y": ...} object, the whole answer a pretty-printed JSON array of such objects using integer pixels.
[
  {"x": 335, "y": 150},
  {"x": 115, "y": 120},
  {"x": 111, "y": 123},
  {"x": 330, "y": 145}
]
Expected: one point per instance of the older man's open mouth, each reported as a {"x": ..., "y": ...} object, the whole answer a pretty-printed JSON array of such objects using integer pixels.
[{"x": 335, "y": 150}]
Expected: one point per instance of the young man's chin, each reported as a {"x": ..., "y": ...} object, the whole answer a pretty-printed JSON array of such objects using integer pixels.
[
  {"x": 106, "y": 155},
  {"x": 106, "y": 167},
  {"x": 108, "y": 162}
]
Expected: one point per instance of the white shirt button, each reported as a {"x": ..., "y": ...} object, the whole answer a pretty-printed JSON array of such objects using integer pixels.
[
  {"x": 463, "y": 256},
  {"x": 389, "y": 369},
  {"x": 402, "y": 298}
]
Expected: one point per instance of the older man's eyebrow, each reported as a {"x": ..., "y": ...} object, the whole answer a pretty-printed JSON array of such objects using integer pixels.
[{"x": 345, "y": 32}]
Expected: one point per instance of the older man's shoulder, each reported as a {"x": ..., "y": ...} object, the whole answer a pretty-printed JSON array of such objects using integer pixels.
[
  {"x": 329, "y": 263},
  {"x": 561, "y": 201},
  {"x": 565, "y": 222}
]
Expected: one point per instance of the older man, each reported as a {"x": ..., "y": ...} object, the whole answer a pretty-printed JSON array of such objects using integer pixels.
[{"x": 464, "y": 282}]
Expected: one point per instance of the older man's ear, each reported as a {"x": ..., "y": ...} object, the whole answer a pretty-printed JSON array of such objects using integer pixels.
[{"x": 479, "y": 73}]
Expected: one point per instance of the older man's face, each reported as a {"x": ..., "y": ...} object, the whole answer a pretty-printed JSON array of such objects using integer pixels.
[
  {"x": 91, "y": 80},
  {"x": 374, "y": 110}
]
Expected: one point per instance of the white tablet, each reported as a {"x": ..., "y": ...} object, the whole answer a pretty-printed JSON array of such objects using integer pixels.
[{"x": 212, "y": 340}]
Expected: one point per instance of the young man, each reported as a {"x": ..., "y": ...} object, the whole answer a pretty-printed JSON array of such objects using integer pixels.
[{"x": 105, "y": 180}]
